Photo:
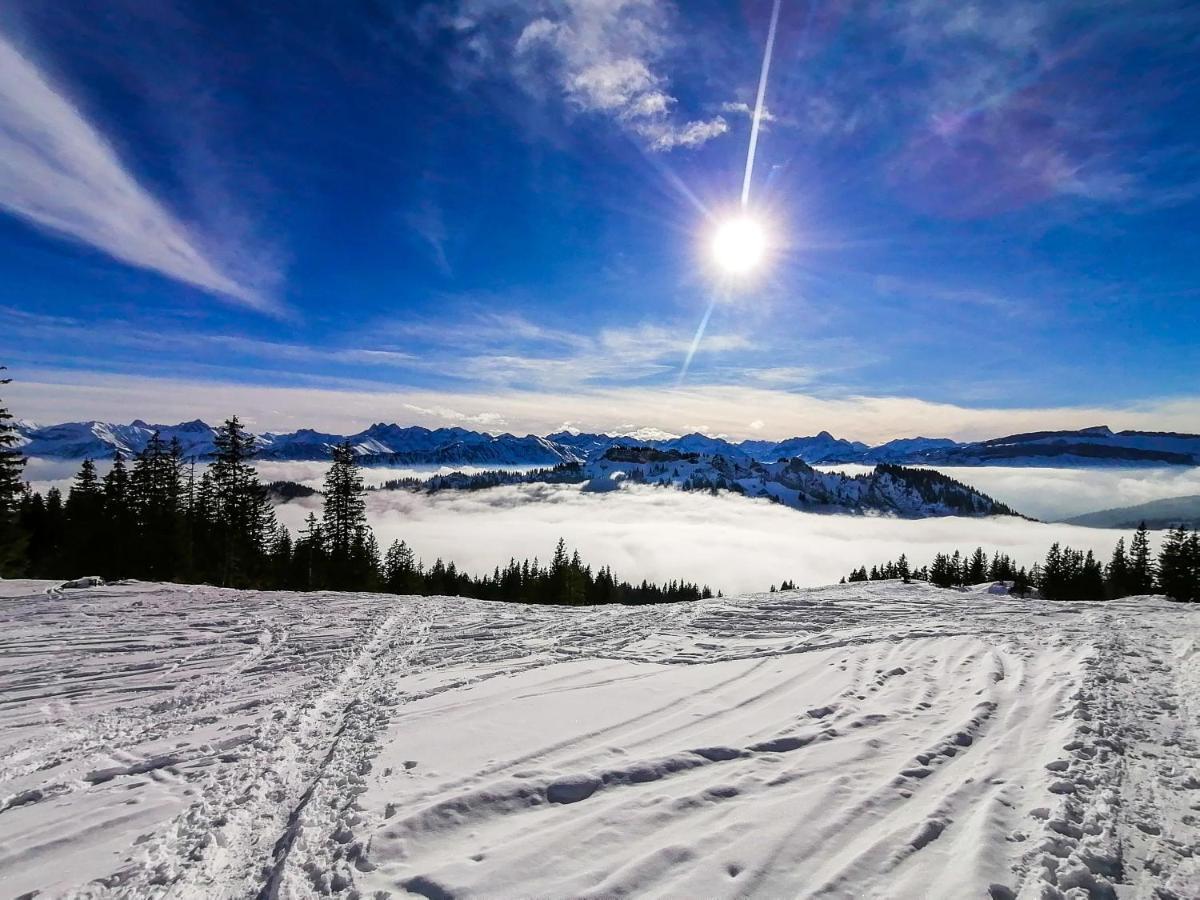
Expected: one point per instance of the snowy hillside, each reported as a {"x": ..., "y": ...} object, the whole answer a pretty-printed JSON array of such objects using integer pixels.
[
  {"x": 872, "y": 741},
  {"x": 916, "y": 493}
]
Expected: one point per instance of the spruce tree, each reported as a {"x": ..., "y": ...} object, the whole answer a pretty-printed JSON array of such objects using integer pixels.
[
  {"x": 1176, "y": 566},
  {"x": 86, "y": 535},
  {"x": 1141, "y": 569},
  {"x": 345, "y": 525},
  {"x": 243, "y": 521},
  {"x": 13, "y": 540},
  {"x": 1118, "y": 572},
  {"x": 119, "y": 521}
]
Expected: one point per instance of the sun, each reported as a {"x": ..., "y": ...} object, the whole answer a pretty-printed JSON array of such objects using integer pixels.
[{"x": 739, "y": 245}]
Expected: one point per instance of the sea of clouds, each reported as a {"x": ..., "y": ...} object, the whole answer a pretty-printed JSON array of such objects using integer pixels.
[{"x": 726, "y": 541}]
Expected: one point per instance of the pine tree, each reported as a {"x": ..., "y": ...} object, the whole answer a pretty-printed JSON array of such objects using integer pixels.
[
  {"x": 308, "y": 556},
  {"x": 399, "y": 569},
  {"x": 1090, "y": 580},
  {"x": 1177, "y": 566},
  {"x": 977, "y": 567},
  {"x": 242, "y": 518},
  {"x": 1141, "y": 569},
  {"x": 86, "y": 535},
  {"x": 1117, "y": 573},
  {"x": 345, "y": 520},
  {"x": 119, "y": 521},
  {"x": 12, "y": 539}
]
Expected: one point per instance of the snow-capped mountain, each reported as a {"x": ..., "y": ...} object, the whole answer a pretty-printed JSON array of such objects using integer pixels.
[
  {"x": 384, "y": 444},
  {"x": 381, "y": 444},
  {"x": 77, "y": 440},
  {"x": 889, "y": 489},
  {"x": 820, "y": 448}
]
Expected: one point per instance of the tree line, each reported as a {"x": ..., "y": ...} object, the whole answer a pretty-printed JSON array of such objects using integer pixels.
[
  {"x": 1068, "y": 574},
  {"x": 161, "y": 517}
]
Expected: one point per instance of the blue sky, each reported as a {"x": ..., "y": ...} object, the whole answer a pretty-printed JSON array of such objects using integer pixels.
[{"x": 496, "y": 213}]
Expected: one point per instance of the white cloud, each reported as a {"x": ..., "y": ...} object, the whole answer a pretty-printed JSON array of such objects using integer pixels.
[
  {"x": 62, "y": 395},
  {"x": 59, "y": 173},
  {"x": 745, "y": 109},
  {"x": 729, "y": 542},
  {"x": 603, "y": 57}
]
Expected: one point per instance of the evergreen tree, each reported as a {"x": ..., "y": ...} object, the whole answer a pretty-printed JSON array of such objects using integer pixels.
[
  {"x": 308, "y": 556},
  {"x": 1117, "y": 574},
  {"x": 119, "y": 521},
  {"x": 345, "y": 521},
  {"x": 13, "y": 540},
  {"x": 976, "y": 568},
  {"x": 1177, "y": 566},
  {"x": 399, "y": 570},
  {"x": 86, "y": 541},
  {"x": 242, "y": 518},
  {"x": 1141, "y": 569}
]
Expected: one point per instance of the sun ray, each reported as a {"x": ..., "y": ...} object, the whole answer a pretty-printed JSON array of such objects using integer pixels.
[{"x": 758, "y": 104}]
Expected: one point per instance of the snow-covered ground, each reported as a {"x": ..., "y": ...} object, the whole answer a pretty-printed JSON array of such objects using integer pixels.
[{"x": 879, "y": 740}]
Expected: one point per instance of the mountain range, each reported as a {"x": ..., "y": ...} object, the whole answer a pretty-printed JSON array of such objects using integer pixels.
[
  {"x": 885, "y": 490},
  {"x": 391, "y": 444}
]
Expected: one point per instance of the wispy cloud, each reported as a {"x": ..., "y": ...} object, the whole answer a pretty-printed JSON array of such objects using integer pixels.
[
  {"x": 602, "y": 57},
  {"x": 736, "y": 410},
  {"x": 58, "y": 172},
  {"x": 509, "y": 350}
]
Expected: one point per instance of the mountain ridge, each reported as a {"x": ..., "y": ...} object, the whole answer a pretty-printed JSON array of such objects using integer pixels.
[{"x": 392, "y": 444}]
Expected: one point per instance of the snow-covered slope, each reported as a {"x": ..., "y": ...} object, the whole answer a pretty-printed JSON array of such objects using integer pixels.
[
  {"x": 381, "y": 444},
  {"x": 888, "y": 489},
  {"x": 97, "y": 440},
  {"x": 820, "y": 448},
  {"x": 870, "y": 741}
]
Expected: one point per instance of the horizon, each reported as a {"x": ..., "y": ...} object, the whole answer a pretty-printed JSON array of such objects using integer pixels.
[{"x": 644, "y": 432}]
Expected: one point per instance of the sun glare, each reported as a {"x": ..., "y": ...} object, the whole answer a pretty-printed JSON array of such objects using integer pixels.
[{"x": 739, "y": 245}]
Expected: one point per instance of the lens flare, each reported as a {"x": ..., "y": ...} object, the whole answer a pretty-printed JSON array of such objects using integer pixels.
[{"x": 739, "y": 245}]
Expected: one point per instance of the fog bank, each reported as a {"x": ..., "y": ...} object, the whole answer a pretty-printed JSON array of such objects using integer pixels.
[{"x": 727, "y": 541}]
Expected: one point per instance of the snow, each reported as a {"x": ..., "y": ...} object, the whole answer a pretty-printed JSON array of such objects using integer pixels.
[{"x": 879, "y": 740}]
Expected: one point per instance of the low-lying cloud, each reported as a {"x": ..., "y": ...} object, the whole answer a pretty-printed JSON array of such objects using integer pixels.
[{"x": 729, "y": 542}]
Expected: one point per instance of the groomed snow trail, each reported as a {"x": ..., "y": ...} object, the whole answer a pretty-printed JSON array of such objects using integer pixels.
[{"x": 879, "y": 740}]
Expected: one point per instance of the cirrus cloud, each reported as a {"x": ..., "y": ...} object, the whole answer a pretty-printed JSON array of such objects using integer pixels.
[{"x": 59, "y": 173}]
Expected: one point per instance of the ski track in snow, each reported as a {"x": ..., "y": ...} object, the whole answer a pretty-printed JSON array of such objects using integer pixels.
[{"x": 878, "y": 740}]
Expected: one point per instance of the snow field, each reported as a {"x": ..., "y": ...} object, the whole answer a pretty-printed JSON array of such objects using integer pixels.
[{"x": 878, "y": 740}]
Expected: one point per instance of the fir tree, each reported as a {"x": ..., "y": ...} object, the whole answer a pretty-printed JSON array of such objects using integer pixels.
[
  {"x": 345, "y": 521},
  {"x": 242, "y": 519},
  {"x": 1117, "y": 574},
  {"x": 1177, "y": 566},
  {"x": 976, "y": 568},
  {"x": 86, "y": 535},
  {"x": 12, "y": 539},
  {"x": 1141, "y": 569},
  {"x": 119, "y": 521}
]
